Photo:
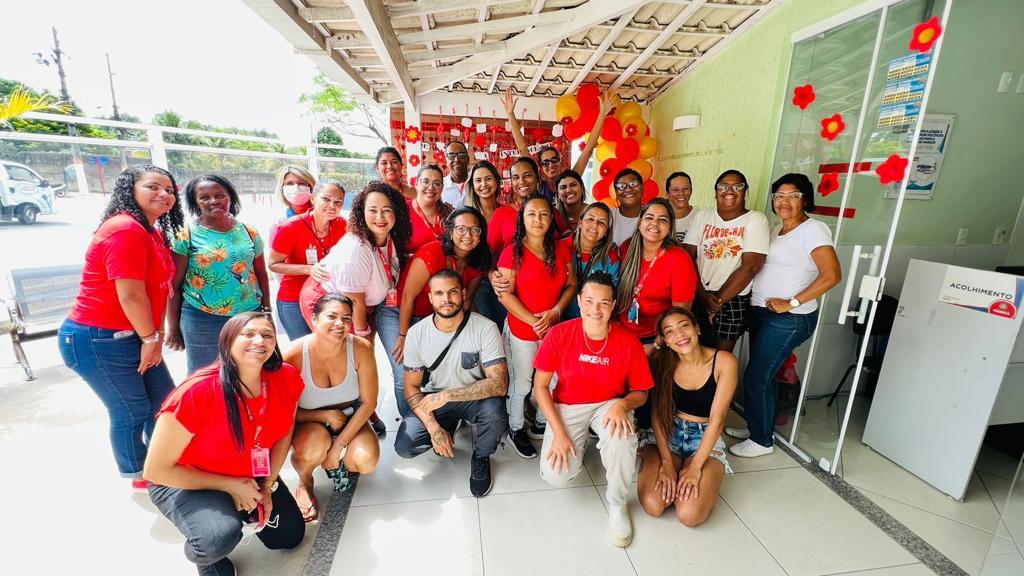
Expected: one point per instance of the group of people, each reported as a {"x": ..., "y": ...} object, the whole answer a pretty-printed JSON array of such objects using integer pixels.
[{"x": 531, "y": 314}]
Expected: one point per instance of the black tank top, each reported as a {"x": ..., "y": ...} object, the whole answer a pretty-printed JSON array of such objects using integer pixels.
[{"x": 697, "y": 402}]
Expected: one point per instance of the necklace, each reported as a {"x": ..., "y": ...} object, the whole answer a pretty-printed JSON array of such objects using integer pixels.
[{"x": 587, "y": 344}]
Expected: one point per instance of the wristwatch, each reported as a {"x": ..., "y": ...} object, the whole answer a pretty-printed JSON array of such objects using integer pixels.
[
  {"x": 151, "y": 339},
  {"x": 794, "y": 303}
]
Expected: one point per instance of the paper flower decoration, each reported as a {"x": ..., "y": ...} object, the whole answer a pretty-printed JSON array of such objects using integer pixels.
[
  {"x": 832, "y": 126},
  {"x": 412, "y": 134},
  {"x": 414, "y": 160},
  {"x": 803, "y": 96},
  {"x": 829, "y": 184},
  {"x": 439, "y": 157},
  {"x": 538, "y": 134},
  {"x": 892, "y": 170},
  {"x": 480, "y": 141},
  {"x": 581, "y": 145},
  {"x": 412, "y": 180},
  {"x": 925, "y": 35}
]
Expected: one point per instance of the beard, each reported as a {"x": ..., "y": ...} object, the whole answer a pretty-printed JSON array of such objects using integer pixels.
[{"x": 452, "y": 314}]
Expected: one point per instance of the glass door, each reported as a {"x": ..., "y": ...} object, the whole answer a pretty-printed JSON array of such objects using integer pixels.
[{"x": 852, "y": 140}]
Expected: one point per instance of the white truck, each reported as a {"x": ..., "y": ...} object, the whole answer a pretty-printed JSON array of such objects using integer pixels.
[{"x": 24, "y": 194}]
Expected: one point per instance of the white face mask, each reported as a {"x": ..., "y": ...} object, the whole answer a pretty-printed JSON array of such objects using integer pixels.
[{"x": 297, "y": 194}]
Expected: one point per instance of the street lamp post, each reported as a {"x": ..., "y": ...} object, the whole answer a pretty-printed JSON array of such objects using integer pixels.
[{"x": 76, "y": 151}]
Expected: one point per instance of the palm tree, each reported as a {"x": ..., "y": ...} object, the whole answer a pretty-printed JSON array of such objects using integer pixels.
[{"x": 21, "y": 101}]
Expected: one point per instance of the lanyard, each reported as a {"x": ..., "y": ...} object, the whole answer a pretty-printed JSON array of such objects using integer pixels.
[
  {"x": 387, "y": 263},
  {"x": 437, "y": 227},
  {"x": 313, "y": 233},
  {"x": 259, "y": 417},
  {"x": 640, "y": 284},
  {"x": 581, "y": 272}
]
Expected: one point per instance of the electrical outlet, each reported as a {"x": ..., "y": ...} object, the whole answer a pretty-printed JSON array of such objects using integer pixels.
[
  {"x": 961, "y": 236},
  {"x": 999, "y": 237}
]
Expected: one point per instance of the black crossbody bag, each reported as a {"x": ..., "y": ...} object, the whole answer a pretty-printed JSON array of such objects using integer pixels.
[{"x": 440, "y": 357}]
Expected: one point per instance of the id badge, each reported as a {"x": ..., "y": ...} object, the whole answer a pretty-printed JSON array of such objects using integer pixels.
[
  {"x": 260, "y": 462},
  {"x": 392, "y": 299},
  {"x": 634, "y": 312},
  {"x": 311, "y": 256}
]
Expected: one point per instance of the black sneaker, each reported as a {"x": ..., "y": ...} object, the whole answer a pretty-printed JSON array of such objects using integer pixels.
[
  {"x": 536, "y": 431},
  {"x": 521, "y": 443},
  {"x": 480, "y": 477},
  {"x": 379, "y": 428},
  {"x": 593, "y": 435}
]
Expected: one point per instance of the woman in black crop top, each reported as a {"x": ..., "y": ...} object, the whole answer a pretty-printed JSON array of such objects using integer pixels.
[{"x": 693, "y": 386}]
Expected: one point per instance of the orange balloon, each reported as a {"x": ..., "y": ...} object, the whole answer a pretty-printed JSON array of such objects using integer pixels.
[
  {"x": 648, "y": 147},
  {"x": 567, "y": 107},
  {"x": 643, "y": 167},
  {"x": 628, "y": 110},
  {"x": 634, "y": 127},
  {"x": 611, "y": 202},
  {"x": 605, "y": 150}
]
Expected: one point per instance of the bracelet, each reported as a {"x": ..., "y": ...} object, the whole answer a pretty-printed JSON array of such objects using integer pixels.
[
  {"x": 152, "y": 338},
  {"x": 344, "y": 451},
  {"x": 402, "y": 335},
  {"x": 557, "y": 310},
  {"x": 362, "y": 333}
]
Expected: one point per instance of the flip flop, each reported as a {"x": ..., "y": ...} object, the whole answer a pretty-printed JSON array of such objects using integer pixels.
[{"x": 310, "y": 513}]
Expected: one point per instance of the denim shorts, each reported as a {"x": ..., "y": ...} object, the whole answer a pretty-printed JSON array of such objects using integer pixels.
[{"x": 686, "y": 437}]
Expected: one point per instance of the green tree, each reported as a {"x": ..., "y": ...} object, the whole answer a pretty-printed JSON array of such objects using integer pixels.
[{"x": 332, "y": 104}]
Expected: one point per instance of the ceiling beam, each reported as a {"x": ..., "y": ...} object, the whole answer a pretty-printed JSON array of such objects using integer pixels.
[
  {"x": 494, "y": 79},
  {"x": 348, "y": 40},
  {"x": 511, "y": 24},
  {"x": 457, "y": 52},
  {"x": 539, "y": 74},
  {"x": 431, "y": 6},
  {"x": 678, "y": 21},
  {"x": 376, "y": 25},
  {"x": 322, "y": 15},
  {"x": 609, "y": 37},
  {"x": 654, "y": 29},
  {"x": 573, "y": 21}
]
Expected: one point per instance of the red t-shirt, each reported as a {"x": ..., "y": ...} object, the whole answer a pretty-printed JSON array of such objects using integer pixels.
[
  {"x": 292, "y": 239},
  {"x": 673, "y": 279},
  {"x": 121, "y": 249},
  {"x": 590, "y": 371},
  {"x": 422, "y": 232},
  {"x": 433, "y": 256},
  {"x": 502, "y": 228},
  {"x": 534, "y": 285},
  {"x": 198, "y": 405}
]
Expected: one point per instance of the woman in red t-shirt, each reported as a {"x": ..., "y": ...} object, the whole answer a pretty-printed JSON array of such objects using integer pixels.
[
  {"x": 482, "y": 193},
  {"x": 541, "y": 283},
  {"x": 219, "y": 444},
  {"x": 112, "y": 336},
  {"x": 427, "y": 211},
  {"x": 656, "y": 273},
  {"x": 299, "y": 245}
]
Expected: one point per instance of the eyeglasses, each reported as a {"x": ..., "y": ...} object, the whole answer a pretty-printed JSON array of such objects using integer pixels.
[
  {"x": 787, "y": 196},
  {"x": 435, "y": 184},
  {"x": 471, "y": 230},
  {"x": 458, "y": 156},
  {"x": 738, "y": 187},
  {"x": 550, "y": 161},
  {"x": 631, "y": 185}
]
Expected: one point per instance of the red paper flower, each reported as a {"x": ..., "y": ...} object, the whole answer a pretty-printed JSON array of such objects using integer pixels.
[
  {"x": 439, "y": 157},
  {"x": 414, "y": 160},
  {"x": 832, "y": 126},
  {"x": 829, "y": 184},
  {"x": 412, "y": 134},
  {"x": 538, "y": 134},
  {"x": 480, "y": 141},
  {"x": 925, "y": 35},
  {"x": 581, "y": 145},
  {"x": 803, "y": 96},
  {"x": 412, "y": 180},
  {"x": 892, "y": 170}
]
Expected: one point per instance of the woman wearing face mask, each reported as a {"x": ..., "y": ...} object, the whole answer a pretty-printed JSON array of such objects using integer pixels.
[
  {"x": 569, "y": 203},
  {"x": 482, "y": 194},
  {"x": 593, "y": 249},
  {"x": 219, "y": 271},
  {"x": 295, "y": 190},
  {"x": 389, "y": 167},
  {"x": 679, "y": 190},
  {"x": 301, "y": 243}
]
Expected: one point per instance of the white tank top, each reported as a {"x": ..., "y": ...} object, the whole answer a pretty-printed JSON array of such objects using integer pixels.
[{"x": 315, "y": 397}]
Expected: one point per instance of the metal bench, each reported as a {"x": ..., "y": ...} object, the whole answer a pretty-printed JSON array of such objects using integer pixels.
[{"x": 39, "y": 302}]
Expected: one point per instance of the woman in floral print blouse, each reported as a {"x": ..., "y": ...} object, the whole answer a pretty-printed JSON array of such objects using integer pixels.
[{"x": 219, "y": 271}]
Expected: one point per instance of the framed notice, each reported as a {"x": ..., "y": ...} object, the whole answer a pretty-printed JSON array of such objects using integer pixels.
[{"x": 931, "y": 149}]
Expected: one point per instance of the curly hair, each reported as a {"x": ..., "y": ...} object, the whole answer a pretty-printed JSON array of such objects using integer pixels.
[
  {"x": 518, "y": 241},
  {"x": 629, "y": 273},
  {"x": 480, "y": 257},
  {"x": 193, "y": 204},
  {"x": 401, "y": 232},
  {"x": 663, "y": 362},
  {"x": 122, "y": 199}
]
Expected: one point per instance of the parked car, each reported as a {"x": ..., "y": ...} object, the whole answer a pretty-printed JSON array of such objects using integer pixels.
[{"x": 23, "y": 193}]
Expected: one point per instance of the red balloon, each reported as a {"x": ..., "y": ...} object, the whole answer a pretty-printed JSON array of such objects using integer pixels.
[
  {"x": 627, "y": 150},
  {"x": 647, "y": 131},
  {"x": 612, "y": 129},
  {"x": 588, "y": 94},
  {"x": 601, "y": 189},
  {"x": 573, "y": 131},
  {"x": 588, "y": 117},
  {"x": 610, "y": 167},
  {"x": 651, "y": 191}
]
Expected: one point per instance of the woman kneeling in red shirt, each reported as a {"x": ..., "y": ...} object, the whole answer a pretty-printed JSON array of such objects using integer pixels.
[{"x": 219, "y": 443}]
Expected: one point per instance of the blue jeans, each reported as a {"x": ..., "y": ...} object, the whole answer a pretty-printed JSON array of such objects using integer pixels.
[
  {"x": 291, "y": 318},
  {"x": 110, "y": 367},
  {"x": 773, "y": 337},
  {"x": 486, "y": 303},
  {"x": 386, "y": 318},
  {"x": 487, "y": 415},
  {"x": 200, "y": 330},
  {"x": 213, "y": 527}
]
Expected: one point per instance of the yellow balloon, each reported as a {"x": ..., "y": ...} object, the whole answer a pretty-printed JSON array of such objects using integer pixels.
[
  {"x": 605, "y": 150},
  {"x": 627, "y": 111},
  {"x": 634, "y": 128},
  {"x": 567, "y": 107},
  {"x": 648, "y": 147},
  {"x": 643, "y": 167}
]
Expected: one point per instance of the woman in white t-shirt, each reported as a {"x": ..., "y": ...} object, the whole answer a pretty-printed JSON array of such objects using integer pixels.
[
  {"x": 801, "y": 266},
  {"x": 679, "y": 188}
]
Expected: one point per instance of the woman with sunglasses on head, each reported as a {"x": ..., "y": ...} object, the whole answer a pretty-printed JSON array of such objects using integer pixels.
[
  {"x": 461, "y": 249},
  {"x": 541, "y": 283},
  {"x": 629, "y": 193},
  {"x": 801, "y": 266},
  {"x": 728, "y": 244},
  {"x": 219, "y": 271},
  {"x": 549, "y": 159},
  {"x": 299, "y": 247},
  {"x": 112, "y": 337},
  {"x": 593, "y": 249},
  {"x": 219, "y": 444},
  {"x": 390, "y": 167}
]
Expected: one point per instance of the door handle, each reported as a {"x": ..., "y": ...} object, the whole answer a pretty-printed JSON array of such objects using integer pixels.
[{"x": 869, "y": 288}]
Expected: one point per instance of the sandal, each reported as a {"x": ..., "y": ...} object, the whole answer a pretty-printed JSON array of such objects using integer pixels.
[{"x": 310, "y": 513}]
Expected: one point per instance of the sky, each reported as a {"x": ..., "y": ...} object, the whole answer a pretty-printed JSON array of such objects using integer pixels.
[{"x": 214, "y": 61}]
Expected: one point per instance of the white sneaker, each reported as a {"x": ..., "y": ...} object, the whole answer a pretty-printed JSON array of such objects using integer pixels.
[
  {"x": 740, "y": 433},
  {"x": 620, "y": 529},
  {"x": 750, "y": 449}
]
